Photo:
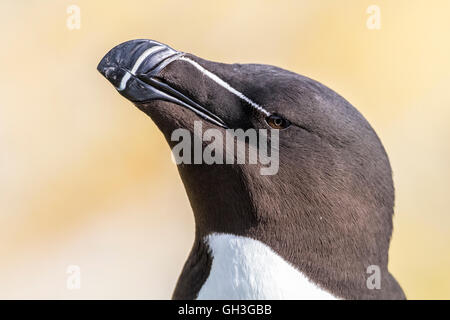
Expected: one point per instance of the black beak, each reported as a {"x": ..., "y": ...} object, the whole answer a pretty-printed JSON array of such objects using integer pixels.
[{"x": 131, "y": 67}]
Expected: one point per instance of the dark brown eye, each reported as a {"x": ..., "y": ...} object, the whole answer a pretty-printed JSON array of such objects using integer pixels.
[{"x": 277, "y": 122}]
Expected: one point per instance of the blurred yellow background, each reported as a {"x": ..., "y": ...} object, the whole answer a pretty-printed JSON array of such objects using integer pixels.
[{"x": 86, "y": 178}]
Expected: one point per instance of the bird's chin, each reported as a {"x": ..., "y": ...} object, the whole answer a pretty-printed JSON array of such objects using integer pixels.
[{"x": 169, "y": 117}]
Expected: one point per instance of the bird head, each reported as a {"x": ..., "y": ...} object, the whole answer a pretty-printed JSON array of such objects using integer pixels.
[{"x": 331, "y": 187}]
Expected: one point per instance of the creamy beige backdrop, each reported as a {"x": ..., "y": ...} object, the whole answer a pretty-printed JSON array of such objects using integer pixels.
[{"x": 86, "y": 179}]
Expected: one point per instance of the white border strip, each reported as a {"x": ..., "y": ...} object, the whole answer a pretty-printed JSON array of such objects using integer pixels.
[{"x": 225, "y": 85}]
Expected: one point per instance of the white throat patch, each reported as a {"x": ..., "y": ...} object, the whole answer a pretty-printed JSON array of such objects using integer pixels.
[{"x": 244, "y": 268}]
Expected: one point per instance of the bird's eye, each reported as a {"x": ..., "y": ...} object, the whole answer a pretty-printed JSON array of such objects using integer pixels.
[{"x": 277, "y": 122}]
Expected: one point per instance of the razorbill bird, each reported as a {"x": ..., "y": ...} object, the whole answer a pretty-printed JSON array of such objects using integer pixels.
[{"x": 314, "y": 230}]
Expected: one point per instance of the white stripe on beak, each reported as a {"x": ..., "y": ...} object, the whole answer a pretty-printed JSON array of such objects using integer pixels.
[{"x": 142, "y": 57}]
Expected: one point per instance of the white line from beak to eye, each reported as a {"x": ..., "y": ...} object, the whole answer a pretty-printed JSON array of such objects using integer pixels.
[
  {"x": 142, "y": 57},
  {"x": 208, "y": 73},
  {"x": 225, "y": 85}
]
